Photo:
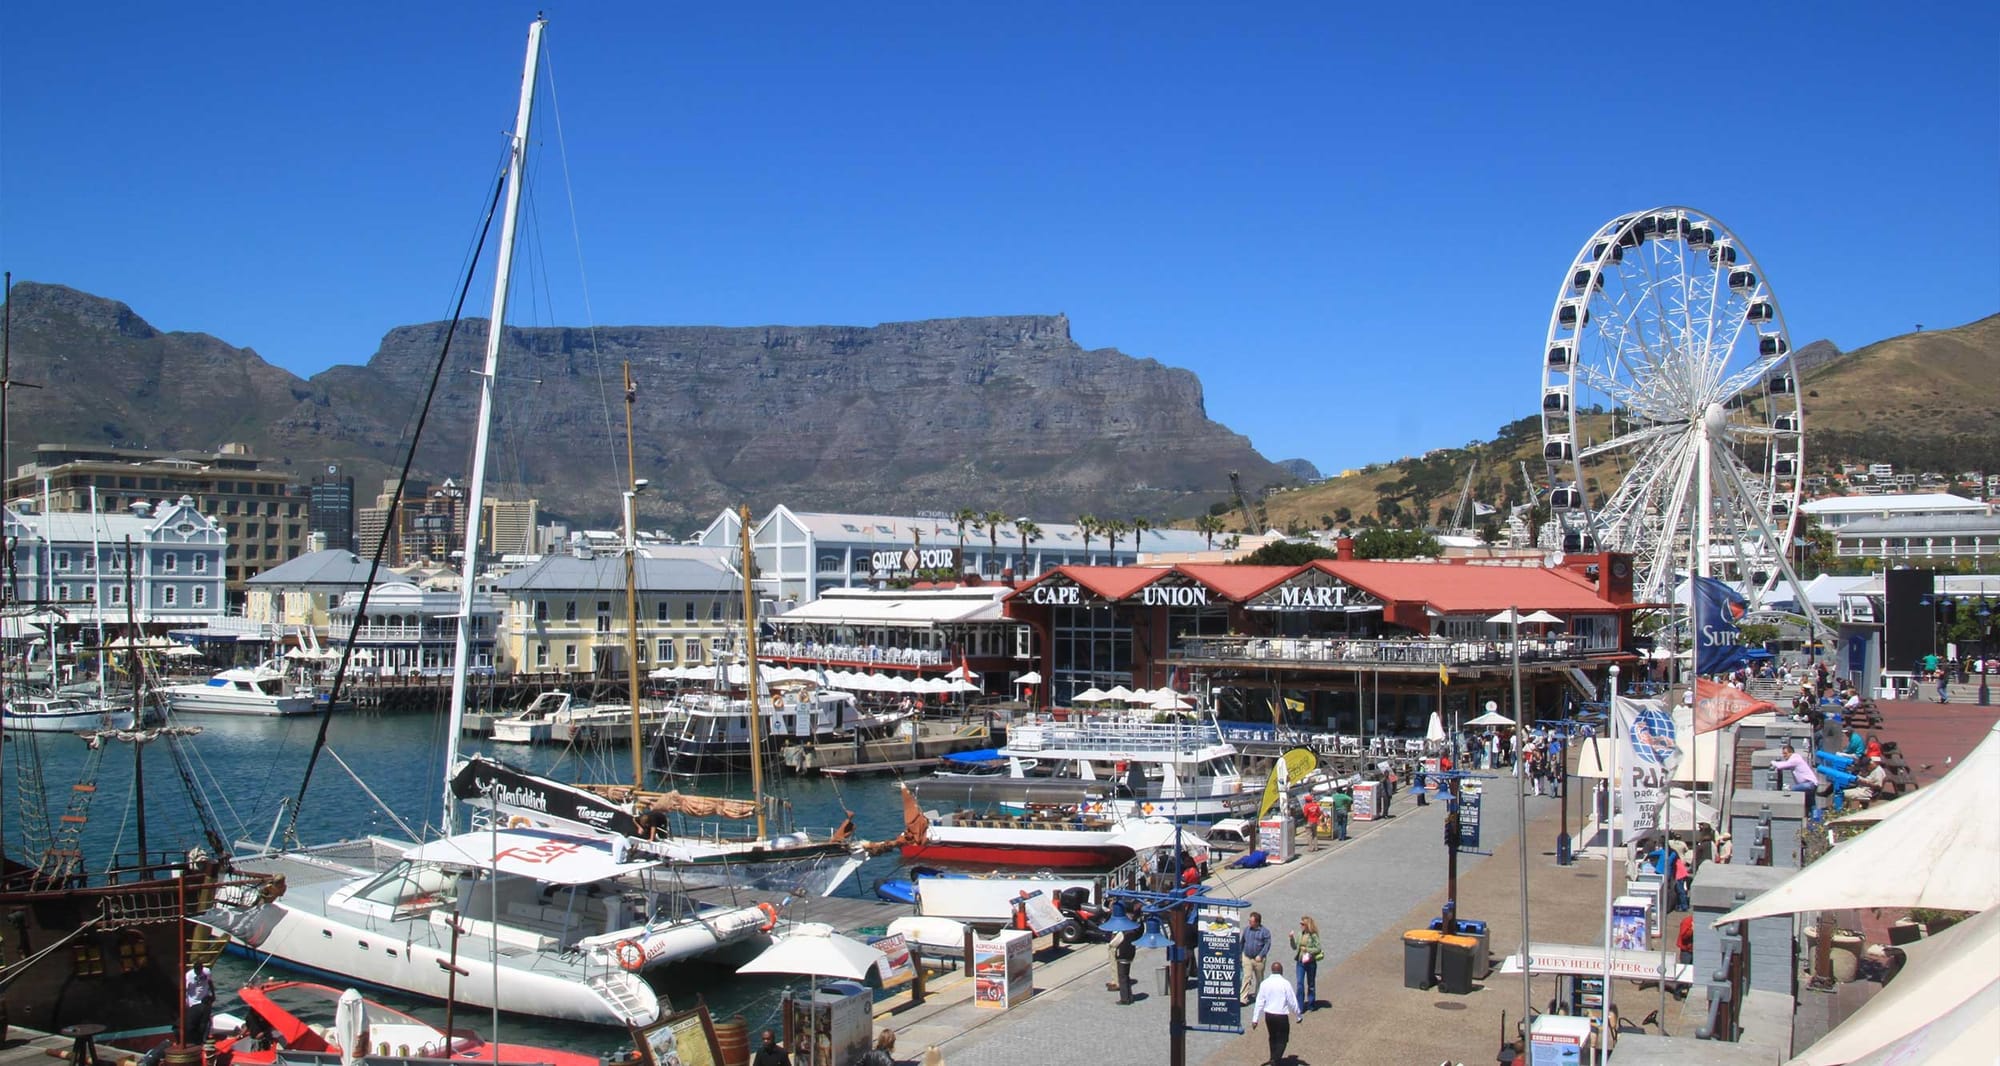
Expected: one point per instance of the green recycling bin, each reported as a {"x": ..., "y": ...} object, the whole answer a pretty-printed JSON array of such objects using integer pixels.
[
  {"x": 1420, "y": 958},
  {"x": 1455, "y": 964}
]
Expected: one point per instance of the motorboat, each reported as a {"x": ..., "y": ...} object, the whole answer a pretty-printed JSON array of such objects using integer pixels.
[
  {"x": 986, "y": 822},
  {"x": 304, "y": 1018},
  {"x": 60, "y": 714},
  {"x": 1180, "y": 769},
  {"x": 264, "y": 689},
  {"x": 557, "y": 718},
  {"x": 548, "y": 924},
  {"x": 537, "y": 723},
  {"x": 715, "y": 736}
]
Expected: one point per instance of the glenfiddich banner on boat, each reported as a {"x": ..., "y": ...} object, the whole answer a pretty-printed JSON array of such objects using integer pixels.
[
  {"x": 1646, "y": 756},
  {"x": 513, "y": 792}
]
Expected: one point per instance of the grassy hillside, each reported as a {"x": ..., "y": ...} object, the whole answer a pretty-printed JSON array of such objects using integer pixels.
[{"x": 1923, "y": 401}]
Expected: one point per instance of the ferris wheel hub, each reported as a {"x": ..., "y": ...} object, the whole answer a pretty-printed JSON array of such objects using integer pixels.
[{"x": 1713, "y": 419}]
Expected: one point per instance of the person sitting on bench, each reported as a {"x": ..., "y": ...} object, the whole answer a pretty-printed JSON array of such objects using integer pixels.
[{"x": 1870, "y": 780}]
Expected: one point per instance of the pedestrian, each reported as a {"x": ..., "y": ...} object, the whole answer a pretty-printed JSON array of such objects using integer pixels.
[
  {"x": 1310, "y": 809},
  {"x": 1943, "y": 686},
  {"x": 1805, "y": 779},
  {"x": 884, "y": 1051},
  {"x": 1256, "y": 954},
  {"x": 1423, "y": 783},
  {"x": 1277, "y": 1007},
  {"x": 1125, "y": 951},
  {"x": 1342, "y": 802},
  {"x": 770, "y": 1054},
  {"x": 1306, "y": 947},
  {"x": 199, "y": 990}
]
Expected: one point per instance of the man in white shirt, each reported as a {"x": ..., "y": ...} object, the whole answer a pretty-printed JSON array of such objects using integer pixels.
[{"x": 1278, "y": 1005}]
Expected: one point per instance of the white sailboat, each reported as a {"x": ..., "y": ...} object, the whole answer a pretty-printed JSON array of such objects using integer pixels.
[{"x": 531, "y": 920}]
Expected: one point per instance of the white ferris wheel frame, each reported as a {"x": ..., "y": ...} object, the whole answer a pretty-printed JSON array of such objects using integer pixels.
[{"x": 1652, "y": 317}]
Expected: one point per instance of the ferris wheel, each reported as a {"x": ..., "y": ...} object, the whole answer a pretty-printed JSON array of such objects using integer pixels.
[{"x": 1672, "y": 426}]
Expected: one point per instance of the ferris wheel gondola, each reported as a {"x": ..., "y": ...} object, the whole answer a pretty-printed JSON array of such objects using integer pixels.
[{"x": 1672, "y": 422}]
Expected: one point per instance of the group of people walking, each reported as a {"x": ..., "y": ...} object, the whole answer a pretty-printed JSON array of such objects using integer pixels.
[{"x": 1275, "y": 1002}]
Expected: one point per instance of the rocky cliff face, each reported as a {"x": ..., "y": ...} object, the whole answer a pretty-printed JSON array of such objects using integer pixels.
[{"x": 999, "y": 413}]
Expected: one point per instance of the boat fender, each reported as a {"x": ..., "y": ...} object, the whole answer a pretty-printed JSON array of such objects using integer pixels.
[
  {"x": 630, "y": 956},
  {"x": 770, "y": 917}
]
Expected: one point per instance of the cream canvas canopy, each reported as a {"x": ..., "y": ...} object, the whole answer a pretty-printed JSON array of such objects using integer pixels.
[
  {"x": 1940, "y": 850},
  {"x": 1944, "y": 971},
  {"x": 1700, "y": 755}
]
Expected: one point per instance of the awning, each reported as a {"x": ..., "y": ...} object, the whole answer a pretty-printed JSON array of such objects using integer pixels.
[
  {"x": 1582, "y": 960},
  {"x": 1940, "y": 850},
  {"x": 544, "y": 856},
  {"x": 910, "y": 613}
]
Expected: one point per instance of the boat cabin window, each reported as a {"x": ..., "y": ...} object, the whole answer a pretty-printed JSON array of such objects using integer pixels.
[
  {"x": 271, "y": 687},
  {"x": 407, "y": 884}
]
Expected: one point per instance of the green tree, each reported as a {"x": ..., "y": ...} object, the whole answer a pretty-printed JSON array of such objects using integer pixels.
[
  {"x": 1114, "y": 529},
  {"x": 1818, "y": 552},
  {"x": 1139, "y": 528},
  {"x": 1086, "y": 524},
  {"x": 992, "y": 521},
  {"x": 1209, "y": 525},
  {"x": 964, "y": 518},
  {"x": 1343, "y": 515},
  {"x": 1395, "y": 544},
  {"x": 1285, "y": 553}
]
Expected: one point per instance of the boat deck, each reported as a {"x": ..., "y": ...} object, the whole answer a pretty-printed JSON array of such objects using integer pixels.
[{"x": 846, "y": 914}]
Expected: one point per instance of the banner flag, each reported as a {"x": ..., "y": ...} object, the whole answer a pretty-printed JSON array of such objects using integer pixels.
[
  {"x": 1718, "y": 706},
  {"x": 1718, "y": 612},
  {"x": 1646, "y": 761}
]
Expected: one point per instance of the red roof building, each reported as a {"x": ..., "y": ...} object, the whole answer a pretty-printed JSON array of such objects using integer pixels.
[{"x": 1335, "y": 641}]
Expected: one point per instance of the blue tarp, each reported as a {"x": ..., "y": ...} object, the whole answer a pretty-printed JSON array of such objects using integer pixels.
[{"x": 982, "y": 755}]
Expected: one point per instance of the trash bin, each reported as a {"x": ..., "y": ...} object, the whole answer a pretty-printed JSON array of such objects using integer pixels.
[
  {"x": 1164, "y": 983},
  {"x": 1482, "y": 958},
  {"x": 1420, "y": 958},
  {"x": 1455, "y": 964}
]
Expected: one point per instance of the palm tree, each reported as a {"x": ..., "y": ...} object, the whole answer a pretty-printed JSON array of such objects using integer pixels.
[
  {"x": 1139, "y": 528},
  {"x": 1028, "y": 531},
  {"x": 1114, "y": 528},
  {"x": 1086, "y": 524},
  {"x": 1209, "y": 525},
  {"x": 992, "y": 521}
]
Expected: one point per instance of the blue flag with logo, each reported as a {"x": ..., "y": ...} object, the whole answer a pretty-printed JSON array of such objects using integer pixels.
[{"x": 1718, "y": 619}]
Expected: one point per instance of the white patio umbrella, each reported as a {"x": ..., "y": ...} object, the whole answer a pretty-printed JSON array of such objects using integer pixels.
[
  {"x": 810, "y": 949},
  {"x": 1435, "y": 732},
  {"x": 1491, "y": 718},
  {"x": 963, "y": 674},
  {"x": 1943, "y": 972},
  {"x": 1093, "y": 694},
  {"x": 962, "y": 685},
  {"x": 1120, "y": 694},
  {"x": 1965, "y": 1034},
  {"x": 1540, "y": 618},
  {"x": 1030, "y": 678},
  {"x": 1683, "y": 811}
]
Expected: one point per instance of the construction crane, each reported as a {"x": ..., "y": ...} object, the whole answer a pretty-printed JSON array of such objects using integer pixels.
[{"x": 1236, "y": 486}]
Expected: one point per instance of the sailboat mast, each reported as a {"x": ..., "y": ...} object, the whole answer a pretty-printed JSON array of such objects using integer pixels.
[
  {"x": 475, "y": 500},
  {"x": 750, "y": 671},
  {"x": 632, "y": 584}
]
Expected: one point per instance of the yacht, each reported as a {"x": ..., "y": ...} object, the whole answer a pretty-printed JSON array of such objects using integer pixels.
[
  {"x": 554, "y": 925},
  {"x": 60, "y": 714},
  {"x": 556, "y": 718},
  {"x": 263, "y": 689},
  {"x": 715, "y": 735},
  {"x": 1180, "y": 769}
]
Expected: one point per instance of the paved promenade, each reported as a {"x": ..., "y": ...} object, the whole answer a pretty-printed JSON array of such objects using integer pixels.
[{"x": 1364, "y": 893}]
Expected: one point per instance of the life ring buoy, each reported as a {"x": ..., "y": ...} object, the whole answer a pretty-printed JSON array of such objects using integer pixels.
[
  {"x": 1146, "y": 808},
  {"x": 630, "y": 956},
  {"x": 770, "y": 917},
  {"x": 520, "y": 821}
]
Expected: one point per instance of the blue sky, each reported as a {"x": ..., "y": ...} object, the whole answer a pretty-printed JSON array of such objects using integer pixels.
[{"x": 1349, "y": 220}]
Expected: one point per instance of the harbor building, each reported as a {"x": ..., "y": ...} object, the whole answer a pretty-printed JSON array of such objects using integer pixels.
[
  {"x": 566, "y": 613},
  {"x": 77, "y": 565},
  {"x": 802, "y": 554},
  {"x": 915, "y": 632},
  {"x": 412, "y": 631},
  {"x": 262, "y": 511},
  {"x": 330, "y": 508},
  {"x": 1835, "y": 512},
  {"x": 1940, "y": 539}
]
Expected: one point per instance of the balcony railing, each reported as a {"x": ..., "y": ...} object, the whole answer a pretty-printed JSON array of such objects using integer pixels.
[{"x": 1375, "y": 652}]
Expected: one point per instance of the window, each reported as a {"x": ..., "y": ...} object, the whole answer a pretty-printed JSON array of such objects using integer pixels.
[
  {"x": 603, "y": 606},
  {"x": 201, "y": 595},
  {"x": 62, "y": 562},
  {"x": 569, "y": 655},
  {"x": 201, "y": 564},
  {"x": 90, "y": 560},
  {"x": 688, "y": 615},
  {"x": 661, "y": 609},
  {"x": 169, "y": 562},
  {"x": 169, "y": 596},
  {"x": 664, "y": 651},
  {"x": 541, "y": 654},
  {"x": 90, "y": 594},
  {"x": 117, "y": 594},
  {"x": 715, "y": 611},
  {"x": 569, "y": 611},
  {"x": 693, "y": 649},
  {"x": 542, "y": 617}
]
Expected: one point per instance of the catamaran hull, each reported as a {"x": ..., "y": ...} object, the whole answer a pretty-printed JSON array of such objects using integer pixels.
[{"x": 344, "y": 952}]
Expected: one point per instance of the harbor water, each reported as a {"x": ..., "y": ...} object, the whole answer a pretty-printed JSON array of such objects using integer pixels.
[{"x": 248, "y": 769}]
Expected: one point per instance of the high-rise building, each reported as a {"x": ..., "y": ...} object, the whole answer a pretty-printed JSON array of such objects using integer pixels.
[
  {"x": 262, "y": 511},
  {"x": 330, "y": 510},
  {"x": 510, "y": 526}
]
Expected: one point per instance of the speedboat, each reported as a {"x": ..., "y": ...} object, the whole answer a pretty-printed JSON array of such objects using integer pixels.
[
  {"x": 60, "y": 714},
  {"x": 536, "y": 724},
  {"x": 303, "y": 1018},
  {"x": 1178, "y": 769},
  {"x": 263, "y": 689},
  {"x": 552, "y": 925}
]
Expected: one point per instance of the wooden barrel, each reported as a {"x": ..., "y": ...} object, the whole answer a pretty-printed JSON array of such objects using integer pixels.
[
  {"x": 734, "y": 1038},
  {"x": 181, "y": 1056}
]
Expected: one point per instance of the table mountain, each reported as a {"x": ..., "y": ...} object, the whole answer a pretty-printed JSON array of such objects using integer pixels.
[{"x": 1001, "y": 413}]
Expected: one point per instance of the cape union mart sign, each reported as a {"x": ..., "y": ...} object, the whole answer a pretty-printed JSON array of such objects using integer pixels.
[{"x": 1150, "y": 596}]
